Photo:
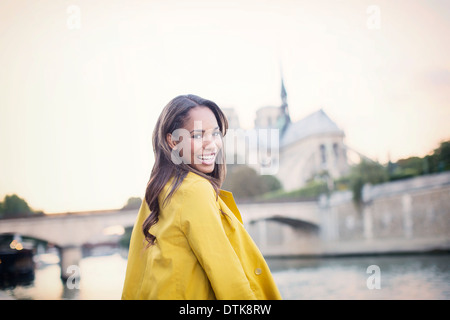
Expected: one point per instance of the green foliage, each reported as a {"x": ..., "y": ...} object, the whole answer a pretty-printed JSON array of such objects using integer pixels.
[
  {"x": 412, "y": 165},
  {"x": 14, "y": 206},
  {"x": 366, "y": 172},
  {"x": 125, "y": 239},
  {"x": 439, "y": 161},
  {"x": 343, "y": 183},
  {"x": 311, "y": 191},
  {"x": 270, "y": 183},
  {"x": 246, "y": 183},
  {"x": 374, "y": 173},
  {"x": 133, "y": 203}
]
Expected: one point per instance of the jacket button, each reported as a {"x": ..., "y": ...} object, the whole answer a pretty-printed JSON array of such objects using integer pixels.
[{"x": 258, "y": 271}]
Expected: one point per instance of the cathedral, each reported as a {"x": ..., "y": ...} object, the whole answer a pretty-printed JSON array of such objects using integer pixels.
[{"x": 294, "y": 152}]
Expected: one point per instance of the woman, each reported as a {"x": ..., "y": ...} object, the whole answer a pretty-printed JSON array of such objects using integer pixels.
[{"x": 189, "y": 241}]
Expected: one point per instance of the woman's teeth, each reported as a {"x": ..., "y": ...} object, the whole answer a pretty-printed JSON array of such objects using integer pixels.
[{"x": 207, "y": 158}]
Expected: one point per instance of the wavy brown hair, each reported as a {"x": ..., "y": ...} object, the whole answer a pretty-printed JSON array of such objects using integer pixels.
[{"x": 174, "y": 116}]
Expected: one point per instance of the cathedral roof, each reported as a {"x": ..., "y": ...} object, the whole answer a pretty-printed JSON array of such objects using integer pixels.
[{"x": 316, "y": 123}]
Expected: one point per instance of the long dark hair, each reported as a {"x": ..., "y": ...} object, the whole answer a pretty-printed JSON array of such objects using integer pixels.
[{"x": 173, "y": 117}]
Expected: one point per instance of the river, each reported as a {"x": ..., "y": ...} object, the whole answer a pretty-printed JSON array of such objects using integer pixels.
[{"x": 397, "y": 277}]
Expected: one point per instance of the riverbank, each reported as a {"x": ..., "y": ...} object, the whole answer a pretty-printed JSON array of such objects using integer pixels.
[
  {"x": 406, "y": 276},
  {"x": 370, "y": 248},
  {"x": 400, "y": 277}
]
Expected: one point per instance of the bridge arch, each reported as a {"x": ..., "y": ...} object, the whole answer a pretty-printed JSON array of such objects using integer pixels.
[
  {"x": 69, "y": 232},
  {"x": 296, "y": 223},
  {"x": 283, "y": 228},
  {"x": 281, "y": 237}
]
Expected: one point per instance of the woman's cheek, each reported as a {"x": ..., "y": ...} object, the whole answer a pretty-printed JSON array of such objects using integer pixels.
[
  {"x": 195, "y": 148},
  {"x": 219, "y": 143}
]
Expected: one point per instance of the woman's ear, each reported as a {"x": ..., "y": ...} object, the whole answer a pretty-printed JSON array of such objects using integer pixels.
[{"x": 172, "y": 143}]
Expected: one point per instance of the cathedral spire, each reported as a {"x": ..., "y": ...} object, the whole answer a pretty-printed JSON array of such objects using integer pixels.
[
  {"x": 283, "y": 92},
  {"x": 284, "y": 114}
]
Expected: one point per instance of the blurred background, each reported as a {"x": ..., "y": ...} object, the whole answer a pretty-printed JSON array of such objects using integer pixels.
[{"x": 357, "y": 91}]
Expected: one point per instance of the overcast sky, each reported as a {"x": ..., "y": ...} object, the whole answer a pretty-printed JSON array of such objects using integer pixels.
[{"x": 82, "y": 82}]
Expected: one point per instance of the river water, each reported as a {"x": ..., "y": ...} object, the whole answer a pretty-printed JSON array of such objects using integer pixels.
[{"x": 375, "y": 277}]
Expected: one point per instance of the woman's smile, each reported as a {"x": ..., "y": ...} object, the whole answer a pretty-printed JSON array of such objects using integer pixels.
[
  {"x": 207, "y": 159},
  {"x": 206, "y": 139}
]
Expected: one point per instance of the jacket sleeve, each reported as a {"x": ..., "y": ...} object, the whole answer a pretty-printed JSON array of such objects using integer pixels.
[{"x": 201, "y": 222}]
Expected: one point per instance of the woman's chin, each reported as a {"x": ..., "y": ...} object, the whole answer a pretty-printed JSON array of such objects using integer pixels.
[{"x": 204, "y": 167}]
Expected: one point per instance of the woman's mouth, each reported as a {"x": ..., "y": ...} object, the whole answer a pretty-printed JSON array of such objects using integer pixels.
[{"x": 207, "y": 159}]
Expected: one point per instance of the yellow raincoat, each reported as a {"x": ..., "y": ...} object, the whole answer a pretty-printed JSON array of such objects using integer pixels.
[{"x": 199, "y": 252}]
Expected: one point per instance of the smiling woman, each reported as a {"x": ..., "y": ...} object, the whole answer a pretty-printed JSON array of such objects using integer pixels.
[
  {"x": 202, "y": 140},
  {"x": 197, "y": 247},
  {"x": 177, "y": 152}
]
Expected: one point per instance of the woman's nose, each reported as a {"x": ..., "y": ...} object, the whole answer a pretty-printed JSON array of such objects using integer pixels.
[
  {"x": 208, "y": 141},
  {"x": 207, "y": 137}
]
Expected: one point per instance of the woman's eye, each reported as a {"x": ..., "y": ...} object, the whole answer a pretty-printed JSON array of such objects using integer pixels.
[
  {"x": 197, "y": 136},
  {"x": 217, "y": 134}
]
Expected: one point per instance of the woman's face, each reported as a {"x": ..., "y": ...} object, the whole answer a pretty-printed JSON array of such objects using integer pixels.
[{"x": 205, "y": 139}]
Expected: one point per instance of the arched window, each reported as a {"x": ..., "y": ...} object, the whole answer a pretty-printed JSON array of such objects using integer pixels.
[
  {"x": 323, "y": 154},
  {"x": 336, "y": 151}
]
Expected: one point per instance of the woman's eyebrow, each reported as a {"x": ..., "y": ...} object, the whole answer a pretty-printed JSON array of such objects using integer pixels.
[{"x": 203, "y": 130}]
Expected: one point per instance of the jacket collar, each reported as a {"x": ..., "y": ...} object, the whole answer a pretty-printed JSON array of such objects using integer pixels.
[
  {"x": 225, "y": 196},
  {"x": 228, "y": 198}
]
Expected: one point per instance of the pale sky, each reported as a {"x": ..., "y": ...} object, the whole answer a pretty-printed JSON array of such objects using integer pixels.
[{"x": 78, "y": 105}]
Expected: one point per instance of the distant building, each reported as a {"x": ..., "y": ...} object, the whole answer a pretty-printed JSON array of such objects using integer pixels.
[
  {"x": 232, "y": 117},
  {"x": 312, "y": 148}
]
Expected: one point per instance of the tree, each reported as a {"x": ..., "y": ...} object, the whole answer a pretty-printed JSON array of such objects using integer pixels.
[
  {"x": 440, "y": 159},
  {"x": 366, "y": 172},
  {"x": 125, "y": 239},
  {"x": 437, "y": 161},
  {"x": 13, "y": 206},
  {"x": 270, "y": 183},
  {"x": 133, "y": 203},
  {"x": 407, "y": 168},
  {"x": 246, "y": 183}
]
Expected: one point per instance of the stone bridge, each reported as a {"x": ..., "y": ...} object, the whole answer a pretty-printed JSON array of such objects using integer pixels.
[
  {"x": 71, "y": 230},
  {"x": 284, "y": 228},
  {"x": 304, "y": 214},
  {"x": 68, "y": 231},
  {"x": 410, "y": 215}
]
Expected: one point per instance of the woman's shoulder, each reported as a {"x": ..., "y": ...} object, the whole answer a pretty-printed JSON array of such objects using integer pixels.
[
  {"x": 197, "y": 198},
  {"x": 193, "y": 191},
  {"x": 195, "y": 184},
  {"x": 192, "y": 185}
]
